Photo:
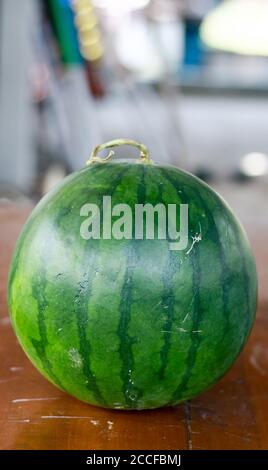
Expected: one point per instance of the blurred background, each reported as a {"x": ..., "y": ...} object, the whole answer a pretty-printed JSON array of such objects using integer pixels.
[{"x": 189, "y": 78}]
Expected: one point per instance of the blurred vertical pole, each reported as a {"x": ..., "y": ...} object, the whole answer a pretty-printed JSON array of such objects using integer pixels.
[
  {"x": 17, "y": 153},
  {"x": 76, "y": 96}
]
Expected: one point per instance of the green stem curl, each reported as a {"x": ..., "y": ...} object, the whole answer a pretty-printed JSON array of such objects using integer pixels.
[{"x": 144, "y": 152}]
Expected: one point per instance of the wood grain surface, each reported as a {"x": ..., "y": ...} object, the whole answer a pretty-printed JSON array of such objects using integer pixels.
[{"x": 36, "y": 415}]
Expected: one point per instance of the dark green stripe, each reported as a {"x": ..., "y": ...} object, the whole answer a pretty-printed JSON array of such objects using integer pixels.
[
  {"x": 195, "y": 338},
  {"x": 215, "y": 237},
  {"x": 38, "y": 292},
  {"x": 130, "y": 391},
  {"x": 81, "y": 305},
  {"x": 167, "y": 301},
  {"x": 31, "y": 222},
  {"x": 197, "y": 309},
  {"x": 61, "y": 199},
  {"x": 82, "y": 301},
  {"x": 168, "y": 287},
  {"x": 16, "y": 259},
  {"x": 223, "y": 264},
  {"x": 125, "y": 349},
  {"x": 246, "y": 285},
  {"x": 168, "y": 297}
]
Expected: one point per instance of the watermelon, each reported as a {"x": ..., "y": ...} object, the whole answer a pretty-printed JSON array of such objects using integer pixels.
[{"x": 129, "y": 323}]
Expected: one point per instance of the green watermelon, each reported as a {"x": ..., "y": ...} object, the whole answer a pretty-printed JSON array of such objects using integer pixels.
[{"x": 130, "y": 323}]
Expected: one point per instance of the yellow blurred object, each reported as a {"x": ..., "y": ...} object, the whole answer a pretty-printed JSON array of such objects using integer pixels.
[
  {"x": 85, "y": 17},
  {"x": 86, "y": 24},
  {"x": 82, "y": 4},
  {"x": 88, "y": 30},
  {"x": 239, "y": 26},
  {"x": 92, "y": 52},
  {"x": 89, "y": 40}
]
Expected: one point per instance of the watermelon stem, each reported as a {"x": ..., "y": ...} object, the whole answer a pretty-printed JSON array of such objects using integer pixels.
[{"x": 144, "y": 152}]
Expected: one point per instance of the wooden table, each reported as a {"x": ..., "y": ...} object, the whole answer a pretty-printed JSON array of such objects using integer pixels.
[{"x": 35, "y": 415}]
